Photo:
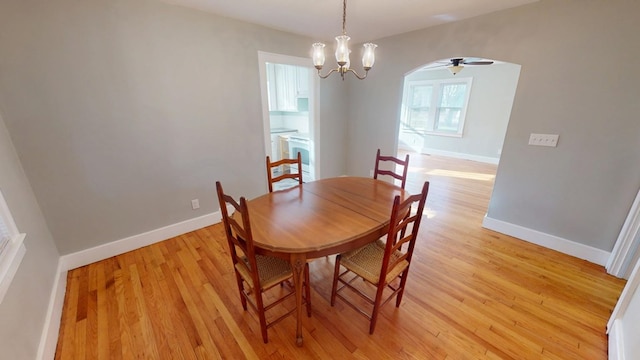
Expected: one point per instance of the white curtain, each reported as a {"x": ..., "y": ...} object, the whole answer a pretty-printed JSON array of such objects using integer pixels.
[{"x": 5, "y": 235}]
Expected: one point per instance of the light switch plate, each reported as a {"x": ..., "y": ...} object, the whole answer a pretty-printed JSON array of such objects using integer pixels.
[{"x": 543, "y": 139}]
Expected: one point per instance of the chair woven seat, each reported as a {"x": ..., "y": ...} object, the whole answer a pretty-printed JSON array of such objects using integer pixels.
[
  {"x": 367, "y": 262},
  {"x": 271, "y": 270}
]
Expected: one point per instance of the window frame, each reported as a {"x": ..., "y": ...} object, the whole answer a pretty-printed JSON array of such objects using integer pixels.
[
  {"x": 11, "y": 253},
  {"x": 434, "y": 104}
]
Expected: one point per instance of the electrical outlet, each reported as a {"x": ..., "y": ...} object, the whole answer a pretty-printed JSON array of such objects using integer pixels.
[
  {"x": 543, "y": 139},
  {"x": 195, "y": 204},
  {"x": 370, "y": 173}
]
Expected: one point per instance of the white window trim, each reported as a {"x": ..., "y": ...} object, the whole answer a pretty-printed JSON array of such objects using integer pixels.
[
  {"x": 13, "y": 253},
  {"x": 437, "y": 84}
]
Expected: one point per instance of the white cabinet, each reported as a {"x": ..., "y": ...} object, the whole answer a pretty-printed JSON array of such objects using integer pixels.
[
  {"x": 287, "y": 83},
  {"x": 302, "y": 74},
  {"x": 283, "y": 87}
]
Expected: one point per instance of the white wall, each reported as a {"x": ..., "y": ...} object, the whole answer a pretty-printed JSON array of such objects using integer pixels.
[
  {"x": 23, "y": 310},
  {"x": 579, "y": 191},
  {"x": 624, "y": 323},
  {"x": 631, "y": 327}
]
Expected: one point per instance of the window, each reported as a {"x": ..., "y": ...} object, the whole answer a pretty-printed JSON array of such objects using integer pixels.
[
  {"x": 436, "y": 107},
  {"x": 11, "y": 247}
]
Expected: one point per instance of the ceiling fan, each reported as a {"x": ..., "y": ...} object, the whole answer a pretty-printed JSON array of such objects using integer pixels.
[{"x": 457, "y": 64}]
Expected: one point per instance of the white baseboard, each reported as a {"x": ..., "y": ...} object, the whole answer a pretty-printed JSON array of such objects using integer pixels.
[
  {"x": 105, "y": 251},
  {"x": 51, "y": 329},
  {"x": 457, "y": 155},
  {"x": 616, "y": 341},
  {"x": 565, "y": 246}
]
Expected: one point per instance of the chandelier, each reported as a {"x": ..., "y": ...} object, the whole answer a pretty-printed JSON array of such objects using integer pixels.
[{"x": 342, "y": 53}]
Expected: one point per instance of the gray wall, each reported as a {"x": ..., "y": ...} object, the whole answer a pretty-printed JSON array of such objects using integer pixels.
[
  {"x": 488, "y": 111},
  {"x": 23, "y": 310},
  {"x": 124, "y": 111},
  {"x": 574, "y": 81}
]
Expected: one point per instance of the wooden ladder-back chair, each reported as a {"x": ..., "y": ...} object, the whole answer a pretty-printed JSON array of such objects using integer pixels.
[
  {"x": 404, "y": 163},
  {"x": 258, "y": 272},
  {"x": 383, "y": 264},
  {"x": 296, "y": 173}
]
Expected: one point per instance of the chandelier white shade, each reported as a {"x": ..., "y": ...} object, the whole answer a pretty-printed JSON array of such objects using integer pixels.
[{"x": 342, "y": 53}]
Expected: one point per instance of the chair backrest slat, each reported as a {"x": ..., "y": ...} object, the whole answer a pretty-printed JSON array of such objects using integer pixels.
[
  {"x": 403, "y": 229},
  {"x": 238, "y": 231},
  {"x": 399, "y": 176},
  {"x": 296, "y": 173}
]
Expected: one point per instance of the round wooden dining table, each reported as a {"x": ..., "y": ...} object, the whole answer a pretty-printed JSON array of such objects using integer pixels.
[{"x": 320, "y": 218}]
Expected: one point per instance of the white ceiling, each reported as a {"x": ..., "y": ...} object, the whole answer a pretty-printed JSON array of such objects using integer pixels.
[{"x": 367, "y": 20}]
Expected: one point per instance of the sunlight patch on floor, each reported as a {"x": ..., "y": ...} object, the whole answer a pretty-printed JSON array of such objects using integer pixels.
[
  {"x": 429, "y": 213},
  {"x": 461, "y": 174}
]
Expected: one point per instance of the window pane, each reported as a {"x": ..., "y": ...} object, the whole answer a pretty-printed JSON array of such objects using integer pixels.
[
  {"x": 452, "y": 99},
  {"x": 434, "y": 107},
  {"x": 419, "y": 107},
  {"x": 448, "y": 119},
  {"x": 421, "y": 96},
  {"x": 417, "y": 118},
  {"x": 453, "y": 95}
]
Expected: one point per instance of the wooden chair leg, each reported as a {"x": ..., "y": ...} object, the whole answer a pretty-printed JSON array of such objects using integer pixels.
[
  {"x": 261, "y": 315},
  {"x": 307, "y": 287},
  {"x": 403, "y": 281},
  {"x": 240, "y": 283},
  {"x": 376, "y": 307},
  {"x": 336, "y": 274}
]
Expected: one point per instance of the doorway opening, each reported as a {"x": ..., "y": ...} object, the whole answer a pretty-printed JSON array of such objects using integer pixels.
[
  {"x": 462, "y": 117},
  {"x": 289, "y": 107}
]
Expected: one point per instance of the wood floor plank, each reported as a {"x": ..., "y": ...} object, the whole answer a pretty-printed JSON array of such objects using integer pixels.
[
  {"x": 471, "y": 294},
  {"x": 151, "y": 301},
  {"x": 124, "y": 323},
  {"x": 67, "y": 340},
  {"x": 111, "y": 266},
  {"x": 149, "y": 342},
  {"x": 102, "y": 314}
]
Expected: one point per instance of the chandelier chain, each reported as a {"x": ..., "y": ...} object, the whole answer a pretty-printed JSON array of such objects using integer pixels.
[{"x": 344, "y": 17}]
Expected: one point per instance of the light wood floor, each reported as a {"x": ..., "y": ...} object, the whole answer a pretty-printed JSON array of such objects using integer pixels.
[{"x": 471, "y": 294}]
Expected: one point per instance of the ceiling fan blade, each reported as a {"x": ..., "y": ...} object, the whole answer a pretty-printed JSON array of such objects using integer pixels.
[
  {"x": 478, "y": 62},
  {"x": 435, "y": 65}
]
